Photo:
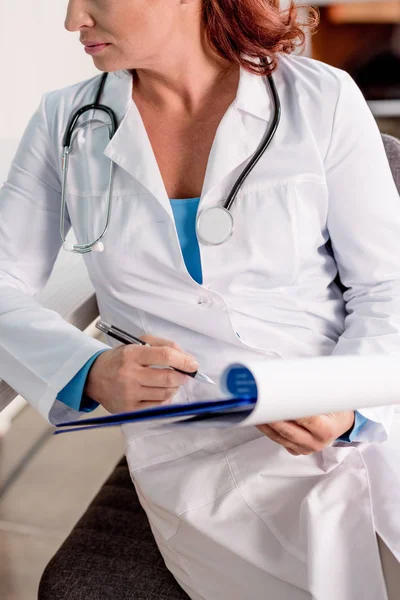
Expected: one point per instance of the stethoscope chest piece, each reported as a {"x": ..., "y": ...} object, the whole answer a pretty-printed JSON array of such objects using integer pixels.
[{"x": 214, "y": 226}]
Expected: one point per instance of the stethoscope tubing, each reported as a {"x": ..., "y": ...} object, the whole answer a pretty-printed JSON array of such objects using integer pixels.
[
  {"x": 95, "y": 106},
  {"x": 89, "y": 247},
  {"x": 263, "y": 146},
  {"x": 84, "y": 248}
]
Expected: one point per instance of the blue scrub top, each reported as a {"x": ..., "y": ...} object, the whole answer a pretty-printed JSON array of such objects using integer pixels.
[{"x": 185, "y": 213}]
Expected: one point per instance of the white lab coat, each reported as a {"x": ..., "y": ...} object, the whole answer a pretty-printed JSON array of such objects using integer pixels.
[{"x": 235, "y": 516}]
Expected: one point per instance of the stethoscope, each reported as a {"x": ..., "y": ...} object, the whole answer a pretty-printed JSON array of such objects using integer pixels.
[{"x": 214, "y": 225}]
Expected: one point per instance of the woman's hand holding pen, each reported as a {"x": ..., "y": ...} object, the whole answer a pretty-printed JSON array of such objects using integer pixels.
[{"x": 122, "y": 379}]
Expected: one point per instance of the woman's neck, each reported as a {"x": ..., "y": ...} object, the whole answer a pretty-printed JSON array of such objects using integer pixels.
[{"x": 185, "y": 78}]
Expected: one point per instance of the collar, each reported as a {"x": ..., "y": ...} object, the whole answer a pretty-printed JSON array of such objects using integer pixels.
[
  {"x": 117, "y": 93},
  {"x": 253, "y": 95},
  {"x": 237, "y": 137}
]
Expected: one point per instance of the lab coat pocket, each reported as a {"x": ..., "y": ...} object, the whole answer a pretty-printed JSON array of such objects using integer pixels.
[{"x": 263, "y": 249}]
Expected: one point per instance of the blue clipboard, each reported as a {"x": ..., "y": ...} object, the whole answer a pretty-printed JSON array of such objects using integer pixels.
[{"x": 197, "y": 410}]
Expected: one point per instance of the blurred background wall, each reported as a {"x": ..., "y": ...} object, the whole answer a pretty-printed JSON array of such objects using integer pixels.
[
  {"x": 36, "y": 55},
  {"x": 364, "y": 39}
]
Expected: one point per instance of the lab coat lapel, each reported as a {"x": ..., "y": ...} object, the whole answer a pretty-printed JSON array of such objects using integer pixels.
[
  {"x": 240, "y": 131},
  {"x": 130, "y": 147},
  {"x": 236, "y": 140}
]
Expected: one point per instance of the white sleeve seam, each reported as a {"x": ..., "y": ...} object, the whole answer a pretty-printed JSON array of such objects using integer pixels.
[
  {"x": 335, "y": 115},
  {"x": 43, "y": 110}
]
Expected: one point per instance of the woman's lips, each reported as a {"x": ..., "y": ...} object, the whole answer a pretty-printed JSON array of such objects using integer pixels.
[{"x": 95, "y": 49}]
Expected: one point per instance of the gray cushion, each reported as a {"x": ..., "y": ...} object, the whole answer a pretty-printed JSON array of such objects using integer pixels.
[
  {"x": 111, "y": 553},
  {"x": 392, "y": 147}
]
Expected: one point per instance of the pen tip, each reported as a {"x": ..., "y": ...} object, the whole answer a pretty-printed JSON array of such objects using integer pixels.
[{"x": 204, "y": 378}]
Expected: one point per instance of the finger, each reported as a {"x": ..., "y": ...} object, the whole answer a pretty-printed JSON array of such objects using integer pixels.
[
  {"x": 310, "y": 423},
  {"x": 163, "y": 356},
  {"x": 293, "y": 452},
  {"x": 145, "y": 404},
  {"x": 294, "y": 433},
  {"x": 158, "y": 341},
  {"x": 276, "y": 437},
  {"x": 320, "y": 427},
  {"x": 160, "y": 378},
  {"x": 151, "y": 394}
]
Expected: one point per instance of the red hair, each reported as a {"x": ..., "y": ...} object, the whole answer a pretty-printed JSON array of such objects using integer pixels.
[{"x": 244, "y": 31}]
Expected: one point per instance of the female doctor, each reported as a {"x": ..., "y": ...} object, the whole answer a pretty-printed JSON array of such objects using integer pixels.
[{"x": 288, "y": 510}]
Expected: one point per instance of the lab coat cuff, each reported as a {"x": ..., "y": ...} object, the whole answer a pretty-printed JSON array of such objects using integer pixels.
[
  {"x": 73, "y": 393},
  {"x": 49, "y": 407},
  {"x": 380, "y": 422},
  {"x": 377, "y": 425},
  {"x": 359, "y": 422}
]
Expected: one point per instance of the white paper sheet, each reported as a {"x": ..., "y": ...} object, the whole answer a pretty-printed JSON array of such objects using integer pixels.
[{"x": 291, "y": 389}]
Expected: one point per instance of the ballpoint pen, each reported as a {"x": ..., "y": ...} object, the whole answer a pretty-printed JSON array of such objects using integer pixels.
[{"x": 127, "y": 338}]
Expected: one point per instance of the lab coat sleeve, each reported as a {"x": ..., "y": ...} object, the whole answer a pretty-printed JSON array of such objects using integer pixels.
[
  {"x": 73, "y": 393},
  {"x": 39, "y": 351},
  {"x": 364, "y": 227},
  {"x": 351, "y": 435}
]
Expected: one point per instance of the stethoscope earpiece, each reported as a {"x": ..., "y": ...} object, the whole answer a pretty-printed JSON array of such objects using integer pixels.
[
  {"x": 71, "y": 247},
  {"x": 98, "y": 247},
  {"x": 68, "y": 246}
]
